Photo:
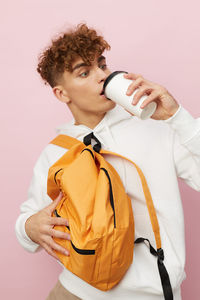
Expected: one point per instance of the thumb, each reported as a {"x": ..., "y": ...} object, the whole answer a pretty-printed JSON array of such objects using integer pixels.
[{"x": 51, "y": 207}]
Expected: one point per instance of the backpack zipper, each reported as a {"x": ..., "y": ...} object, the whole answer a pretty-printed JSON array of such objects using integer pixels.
[
  {"x": 110, "y": 185},
  {"x": 56, "y": 174},
  {"x": 83, "y": 251},
  {"x": 111, "y": 195}
]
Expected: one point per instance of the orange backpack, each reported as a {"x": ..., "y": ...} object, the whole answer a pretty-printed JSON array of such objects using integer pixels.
[{"x": 101, "y": 222}]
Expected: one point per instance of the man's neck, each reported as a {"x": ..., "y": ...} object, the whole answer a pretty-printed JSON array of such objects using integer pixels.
[{"x": 90, "y": 121}]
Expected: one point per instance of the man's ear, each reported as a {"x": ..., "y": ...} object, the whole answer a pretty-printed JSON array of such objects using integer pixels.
[{"x": 61, "y": 94}]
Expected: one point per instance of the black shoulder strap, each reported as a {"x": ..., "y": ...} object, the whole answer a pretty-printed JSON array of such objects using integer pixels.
[{"x": 164, "y": 276}]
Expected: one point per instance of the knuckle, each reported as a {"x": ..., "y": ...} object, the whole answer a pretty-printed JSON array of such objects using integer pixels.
[
  {"x": 43, "y": 219},
  {"x": 41, "y": 232},
  {"x": 156, "y": 93},
  {"x": 42, "y": 238},
  {"x": 44, "y": 229},
  {"x": 64, "y": 221},
  {"x": 51, "y": 232},
  {"x": 56, "y": 233},
  {"x": 130, "y": 87},
  {"x": 140, "y": 77},
  {"x": 139, "y": 81},
  {"x": 48, "y": 251},
  {"x": 51, "y": 252},
  {"x": 143, "y": 89},
  {"x": 54, "y": 221},
  {"x": 140, "y": 92},
  {"x": 54, "y": 245},
  {"x": 164, "y": 90},
  {"x": 45, "y": 240},
  {"x": 57, "y": 221},
  {"x": 137, "y": 95}
]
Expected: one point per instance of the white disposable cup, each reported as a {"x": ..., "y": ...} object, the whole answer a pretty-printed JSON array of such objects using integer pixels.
[{"x": 115, "y": 88}]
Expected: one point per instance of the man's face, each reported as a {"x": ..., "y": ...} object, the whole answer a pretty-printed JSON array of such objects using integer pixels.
[{"x": 84, "y": 86}]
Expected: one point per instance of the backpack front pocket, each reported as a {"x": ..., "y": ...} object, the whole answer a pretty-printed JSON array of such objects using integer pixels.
[
  {"x": 84, "y": 262},
  {"x": 83, "y": 251}
]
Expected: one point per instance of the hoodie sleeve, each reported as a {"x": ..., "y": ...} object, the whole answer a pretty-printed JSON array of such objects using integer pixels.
[
  {"x": 37, "y": 200},
  {"x": 186, "y": 146}
]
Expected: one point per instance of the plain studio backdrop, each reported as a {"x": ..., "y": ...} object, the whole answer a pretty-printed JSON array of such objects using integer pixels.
[{"x": 158, "y": 39}]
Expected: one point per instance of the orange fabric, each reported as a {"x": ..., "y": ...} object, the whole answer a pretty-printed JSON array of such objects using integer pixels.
[
  {"x": 96, "y": 222},
  {"x": 149, "y": 201}
]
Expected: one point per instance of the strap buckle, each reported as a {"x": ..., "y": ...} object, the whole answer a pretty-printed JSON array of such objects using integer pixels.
[{"x": 87, "y": 141}]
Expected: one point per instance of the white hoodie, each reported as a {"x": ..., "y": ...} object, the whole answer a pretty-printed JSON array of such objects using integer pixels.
[{"x": 163, "y": 150}]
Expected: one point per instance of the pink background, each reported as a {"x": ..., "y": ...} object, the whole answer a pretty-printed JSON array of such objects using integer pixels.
[{"x": 159, "y": 39}]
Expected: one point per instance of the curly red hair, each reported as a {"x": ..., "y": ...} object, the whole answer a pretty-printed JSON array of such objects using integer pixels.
[{"x": 82, "y": 42}]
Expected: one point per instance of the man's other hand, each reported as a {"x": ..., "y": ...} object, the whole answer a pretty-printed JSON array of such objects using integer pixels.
[{"x": 40, "y": 228}]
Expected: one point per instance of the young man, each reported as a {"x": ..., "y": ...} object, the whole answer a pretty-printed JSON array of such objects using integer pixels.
[{"x": 165, "y": 147}]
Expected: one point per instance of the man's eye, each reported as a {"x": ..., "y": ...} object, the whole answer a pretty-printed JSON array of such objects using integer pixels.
[
  {"x": 103, "y": 67},
  {"x": 84, "y": 74}
]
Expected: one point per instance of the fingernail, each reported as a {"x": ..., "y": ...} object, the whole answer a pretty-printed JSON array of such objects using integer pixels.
[{"x": 66, "y": 253}]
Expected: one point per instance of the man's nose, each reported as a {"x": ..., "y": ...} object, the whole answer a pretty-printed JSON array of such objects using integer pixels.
[{"x": 102, "y": 75}]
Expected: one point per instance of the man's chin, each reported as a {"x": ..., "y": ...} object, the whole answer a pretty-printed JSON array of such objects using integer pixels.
[{"x": 111, "y": 105}]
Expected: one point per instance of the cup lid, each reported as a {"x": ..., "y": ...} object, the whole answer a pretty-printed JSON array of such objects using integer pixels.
[{"x": 108, "y": 79}]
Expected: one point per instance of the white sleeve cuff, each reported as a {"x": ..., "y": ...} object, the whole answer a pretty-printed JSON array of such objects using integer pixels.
[
  {"x": 22, "y": 236},
  {"x": 184, "y": 124}
]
